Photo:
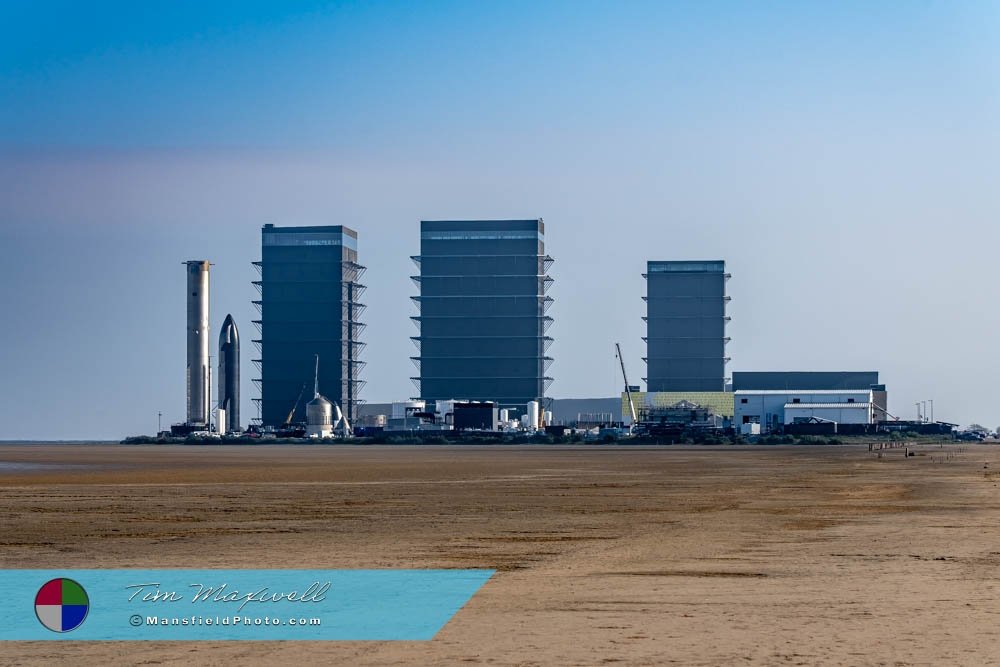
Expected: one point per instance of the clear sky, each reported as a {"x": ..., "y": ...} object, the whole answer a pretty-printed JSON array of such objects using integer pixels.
[{"x": 842, "y": 157}]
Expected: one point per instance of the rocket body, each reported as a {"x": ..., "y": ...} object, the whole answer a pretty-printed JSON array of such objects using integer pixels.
[
  {"x": 198, "y": 409},
  {"x": 229, "y": 375}
]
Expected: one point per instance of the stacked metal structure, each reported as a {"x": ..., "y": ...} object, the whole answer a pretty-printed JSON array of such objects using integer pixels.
[
  {"x": 198, "y": 408},
  {"x": 686, "y": 326},
  {"x": 483, "y": 307},
  {"x": 310, "y": 305}
]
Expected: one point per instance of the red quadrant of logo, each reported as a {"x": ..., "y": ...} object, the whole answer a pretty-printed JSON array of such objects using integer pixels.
[{"x": 50, "y": 593}]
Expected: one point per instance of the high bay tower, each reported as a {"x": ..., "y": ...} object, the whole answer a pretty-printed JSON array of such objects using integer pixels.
[
  {"x": 483, "y": 306},
  {"x": 309, "y": 305},
  {"x": 686, "y": 326}
]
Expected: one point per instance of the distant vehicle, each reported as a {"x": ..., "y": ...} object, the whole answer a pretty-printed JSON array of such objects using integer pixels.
[{"x": 971, "y": 436}]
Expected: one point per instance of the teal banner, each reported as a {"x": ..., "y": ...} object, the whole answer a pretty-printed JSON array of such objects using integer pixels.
[{"x": 255, "y": 605}]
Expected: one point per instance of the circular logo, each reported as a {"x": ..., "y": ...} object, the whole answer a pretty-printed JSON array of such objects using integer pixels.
[{"x": 61, "y": 605}]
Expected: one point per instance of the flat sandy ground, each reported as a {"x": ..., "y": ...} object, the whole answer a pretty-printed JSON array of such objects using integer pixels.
[{"x": 811, "y": 555}]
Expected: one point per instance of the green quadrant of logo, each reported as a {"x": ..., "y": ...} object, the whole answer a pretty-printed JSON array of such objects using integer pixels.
[{"x": 73, "y": 593}]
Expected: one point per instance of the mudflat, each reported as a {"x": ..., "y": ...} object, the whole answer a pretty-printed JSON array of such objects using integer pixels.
[{"x": 766, "y": 555}]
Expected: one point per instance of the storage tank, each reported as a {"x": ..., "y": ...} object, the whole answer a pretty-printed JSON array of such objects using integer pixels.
[
  {"x": 533, "y": 414},
  {"x": 319, "y": 418},
  {"x": 548, "y": 417},
  {"x": 504, "y": 415},
  {"x": 319, "y": 412}
]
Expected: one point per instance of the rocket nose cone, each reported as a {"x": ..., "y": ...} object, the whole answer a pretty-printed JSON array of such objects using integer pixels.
[{"x": 228, "y": 332}]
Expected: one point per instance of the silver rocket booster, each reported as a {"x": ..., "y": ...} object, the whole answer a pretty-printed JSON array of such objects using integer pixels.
[
  {"x": 229, "y": 375},
  {"x": 198, "y": 409}
]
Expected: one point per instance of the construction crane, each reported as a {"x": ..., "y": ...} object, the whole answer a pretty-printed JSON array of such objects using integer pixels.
[
  {"x": 291, "y": 413},
  {"x": 628, "y": 389}
]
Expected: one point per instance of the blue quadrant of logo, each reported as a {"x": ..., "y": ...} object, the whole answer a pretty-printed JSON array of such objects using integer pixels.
[
  {"x": 73, "y": 615},
  {"x": 171, "y": 605}
]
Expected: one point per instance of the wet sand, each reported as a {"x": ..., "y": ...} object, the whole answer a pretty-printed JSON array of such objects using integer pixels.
[{"x": 810, "y": 555}]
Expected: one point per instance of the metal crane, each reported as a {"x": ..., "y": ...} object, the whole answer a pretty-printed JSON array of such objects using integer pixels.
[
  {"x": 291, "y": 414},
  {"x": 628, "y": 389}
]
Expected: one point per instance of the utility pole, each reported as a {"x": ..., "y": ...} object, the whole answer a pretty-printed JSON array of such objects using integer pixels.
[
  {"x": 932, "y": 409},
  {"x": 159, "y": 423}
]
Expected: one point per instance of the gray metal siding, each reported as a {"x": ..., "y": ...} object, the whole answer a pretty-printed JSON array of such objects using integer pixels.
[{"x": 803, "y": 380}]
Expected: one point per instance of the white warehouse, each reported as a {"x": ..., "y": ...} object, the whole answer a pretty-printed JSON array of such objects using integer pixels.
[{"x": 773, "y": 408}]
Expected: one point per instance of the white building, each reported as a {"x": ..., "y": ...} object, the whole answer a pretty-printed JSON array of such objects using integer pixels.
[{"x": 772, "y": 408}]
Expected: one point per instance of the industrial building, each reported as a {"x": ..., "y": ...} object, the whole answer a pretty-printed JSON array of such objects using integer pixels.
[
  {"x": 309, "y": 305},
  {"x": 482, "y": 312},
  {"x": 452, "y": 415},
  {"x": 774, "y": 408},
  {"x": 229, "y": 377},
  {"x": 816, "y": 381},
  {"x": 686, "y": 326}
]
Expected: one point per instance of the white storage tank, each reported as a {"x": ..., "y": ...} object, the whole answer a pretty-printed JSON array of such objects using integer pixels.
[
  {"x": 548, "y": 417},
  {"x": 504, "y": 415},
  {"x": 532, "y": 415}
]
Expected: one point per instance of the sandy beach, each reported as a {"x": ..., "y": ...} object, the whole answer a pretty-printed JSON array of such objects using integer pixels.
[{"x": 806, "y": 555}]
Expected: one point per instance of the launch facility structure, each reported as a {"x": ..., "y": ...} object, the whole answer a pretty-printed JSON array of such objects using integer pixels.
[
  {"x": 198, "y": 400},
  {"x": 199, "y": 371}
]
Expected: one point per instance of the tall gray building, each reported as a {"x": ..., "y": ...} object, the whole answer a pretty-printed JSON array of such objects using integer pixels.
[
  {"x": 686, "y": 326},
  {"x": 483, "y": 306},
  {"x": 309, "y": 305}
]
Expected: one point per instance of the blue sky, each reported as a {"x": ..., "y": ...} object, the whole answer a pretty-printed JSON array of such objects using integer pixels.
[{"x": 840, "y": 156}]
